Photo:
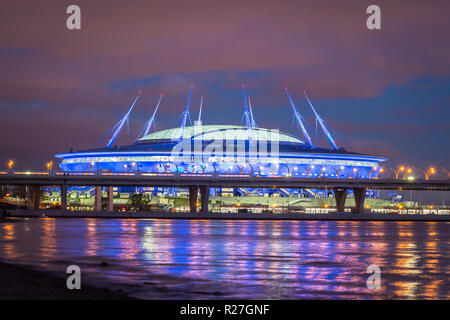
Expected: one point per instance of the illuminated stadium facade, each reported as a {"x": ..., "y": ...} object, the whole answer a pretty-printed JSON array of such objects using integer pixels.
[{"x": 224, "y": 149}]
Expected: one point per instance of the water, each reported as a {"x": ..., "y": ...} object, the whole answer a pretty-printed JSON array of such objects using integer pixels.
[{"x": 204, "y": 259}]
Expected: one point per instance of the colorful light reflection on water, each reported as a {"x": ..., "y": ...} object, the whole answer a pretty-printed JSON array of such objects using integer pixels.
[{"x": 202, "y": 259}]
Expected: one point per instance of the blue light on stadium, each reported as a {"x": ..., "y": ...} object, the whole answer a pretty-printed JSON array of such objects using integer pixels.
[{"x": 224, "y": 149}]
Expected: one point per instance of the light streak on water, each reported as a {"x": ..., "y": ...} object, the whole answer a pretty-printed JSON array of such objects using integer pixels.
[{"x": 202, "y": 259}]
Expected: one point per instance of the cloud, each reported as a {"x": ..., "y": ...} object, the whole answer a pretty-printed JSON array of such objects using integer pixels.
[{"x": 323, "y": 47}]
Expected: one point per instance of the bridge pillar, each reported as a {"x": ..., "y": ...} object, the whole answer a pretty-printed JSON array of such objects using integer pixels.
[
  {"x": 360, "y": 195},
  {"x": 340, "y": 195},
  {"x": 193, "y": 194},
  {"x": 110, "y": 192},
  {"x": 36, "y": 196},
  {"x": 204, "y": 194},
  {"x": 98, "y": 199},
  {"x": 63, "y": 197}
]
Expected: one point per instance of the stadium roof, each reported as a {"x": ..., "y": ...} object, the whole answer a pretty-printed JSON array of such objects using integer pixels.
[{"x": 221, "y": 132}]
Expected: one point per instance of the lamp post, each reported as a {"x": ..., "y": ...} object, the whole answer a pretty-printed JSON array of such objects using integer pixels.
[
  {"x": 402, "y": 168},
  {"x": 371, "y": 171},
  {"x": 379, "y": 172},
  {"x": 276, "y": 169},
  {"x": 10, "y": 164},
  {"x": 321, "y": 172},
  {"x": 241, "y": 169},
  {"x": 166, "y": 167},
  {"x": 431, "y": 171},
  {"x": 351, "y": 174},
  {"x": 338, "y": 171},
  {"x": 308, "y": 171},
  {"x": 409, "y": 170},
  {"x": 259, "y": 171}
]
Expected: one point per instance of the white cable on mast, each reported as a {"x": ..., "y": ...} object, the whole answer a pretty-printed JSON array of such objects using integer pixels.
[
  {"x": 299, "y": 120},
  {"x": 151, "y": 120},
  {"x": 322, "y": 124},
  {"x": 254, "y": 125},
  {"x": 199, "y": 121},
  {"x": 185, "y": 115},
  {"x": 122, "y": 122}
]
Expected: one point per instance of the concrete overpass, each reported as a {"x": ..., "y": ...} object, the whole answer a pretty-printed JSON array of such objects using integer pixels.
[{"x": 203, "y": 182}]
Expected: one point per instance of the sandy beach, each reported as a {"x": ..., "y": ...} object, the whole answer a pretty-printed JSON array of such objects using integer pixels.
[{"x": 22, "y": 283}]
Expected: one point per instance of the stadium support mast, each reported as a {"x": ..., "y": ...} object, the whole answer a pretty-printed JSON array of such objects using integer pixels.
[
  {"x": 322, "y": 124},
  {"x": 248, "y": 121},
  {"x": 254, "y": 125},
  {"x": 122, "y": 121},
  {"x": 186, "y": 115},
  {"x": 151, "y": 121},
  {"x": 298, "y": 117},
  {"x": 199, "y": 121}
]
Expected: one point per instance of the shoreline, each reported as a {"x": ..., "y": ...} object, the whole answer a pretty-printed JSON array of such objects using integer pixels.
[
  {"x": 18, "y": 282},
  {"x": 334, "y": 216}
]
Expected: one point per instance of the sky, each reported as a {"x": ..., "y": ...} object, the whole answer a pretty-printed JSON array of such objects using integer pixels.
[{"x": 384, "y": 92}]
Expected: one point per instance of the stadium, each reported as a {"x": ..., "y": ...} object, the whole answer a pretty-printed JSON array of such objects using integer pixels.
[{"x": 224, "y": 149}]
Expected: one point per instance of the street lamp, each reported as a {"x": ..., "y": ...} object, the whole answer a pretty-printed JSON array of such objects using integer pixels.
[
  {"x": 409, "y": 170},
  {"x": 379, "y": 172},
  {"x": 321, "y": 172},
  {"x": 351, "y": 174},
  {"x": 10, "y": 164},
  {"x": 337, "y": 171},
  {"x": 371, "y": 171},
  {"x": 308, "y": 171},
  {"x": 49, "y": 165},
  {"x": 431, "y": 171},
  {"x": 276, "y": 169},
  {"x": 166, "y": 167},
  {"x": 402, "y": 168}
]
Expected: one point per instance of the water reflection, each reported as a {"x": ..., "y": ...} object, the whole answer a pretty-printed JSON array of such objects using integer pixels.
[{"x": 241, "y": 259}]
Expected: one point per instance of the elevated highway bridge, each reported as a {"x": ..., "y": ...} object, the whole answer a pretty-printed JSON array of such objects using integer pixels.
[{"x": 203, "y": 182}]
